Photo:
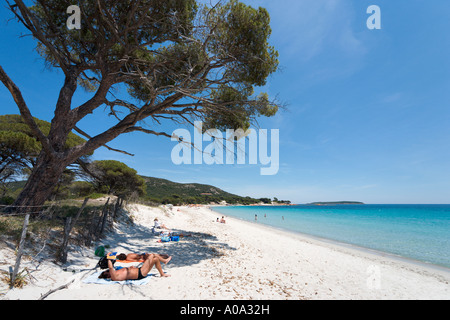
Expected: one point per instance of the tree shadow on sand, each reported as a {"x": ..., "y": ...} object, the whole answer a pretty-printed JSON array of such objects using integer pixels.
[{"x": 191, "y": 249}]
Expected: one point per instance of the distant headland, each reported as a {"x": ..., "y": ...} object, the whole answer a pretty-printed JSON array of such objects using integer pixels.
[{"x": 333, "y": 203}]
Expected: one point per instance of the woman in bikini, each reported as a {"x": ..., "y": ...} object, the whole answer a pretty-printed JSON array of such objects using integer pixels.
[
  {"x": 133, "y": 273},
  {"x": 135, "y": 257}
]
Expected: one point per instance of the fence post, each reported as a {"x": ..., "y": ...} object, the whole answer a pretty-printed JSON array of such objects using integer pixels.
[
  {"x": 104, "y": 216},
  {"x": 20, "y": 250},
  {"x": 68, "y": 226},
  {"x": 91, "y": 229},
  {"x": 116, "y": 207},
  {"x": 63, "y": 250}
]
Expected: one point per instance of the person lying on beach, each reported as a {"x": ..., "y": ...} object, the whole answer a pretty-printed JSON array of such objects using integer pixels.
[
  {"x": 136, "y": 257},
  {"x": 133, "y": 273}
]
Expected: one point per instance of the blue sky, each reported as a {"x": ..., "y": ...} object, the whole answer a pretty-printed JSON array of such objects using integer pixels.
[{"x": 368, "y": 115}]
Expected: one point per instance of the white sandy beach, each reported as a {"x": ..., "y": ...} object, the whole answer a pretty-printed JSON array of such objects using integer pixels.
[{"x": 236, "y": 260}]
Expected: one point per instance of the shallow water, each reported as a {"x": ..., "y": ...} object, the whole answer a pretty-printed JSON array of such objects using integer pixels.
[{"x": 420, "y": 232}]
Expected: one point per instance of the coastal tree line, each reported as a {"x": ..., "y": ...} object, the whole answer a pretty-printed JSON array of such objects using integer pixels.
[
  {"x": 19, "y": 150},
  {"x": 86, "y": 178}
]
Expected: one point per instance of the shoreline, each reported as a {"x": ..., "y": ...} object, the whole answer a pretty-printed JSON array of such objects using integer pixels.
[
  {"x": 393, "y": 255},
  {"x": 348, "y": 246},
  {"x": 238, "y": 260},
  {"x": 351, "y": 246}
]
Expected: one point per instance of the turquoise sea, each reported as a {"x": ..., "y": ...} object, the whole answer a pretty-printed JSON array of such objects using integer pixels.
[{"x": 419, "y": 232}]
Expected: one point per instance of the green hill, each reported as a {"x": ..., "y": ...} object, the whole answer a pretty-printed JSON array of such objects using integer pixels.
[
  {"x": 165, "y": 191},
  {"x": 160, "y": 191},
  {"x": 157, "y": 191}
]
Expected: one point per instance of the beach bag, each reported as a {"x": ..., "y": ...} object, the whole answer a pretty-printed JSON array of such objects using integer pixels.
[
  {"x": 103, "y": 263},
  {"x": 100, "y": 251},
  {"x": 165, "y": 239}
]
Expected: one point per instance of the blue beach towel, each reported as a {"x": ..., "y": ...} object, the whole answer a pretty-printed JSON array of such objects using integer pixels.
[{"x": 93, "y": 278}]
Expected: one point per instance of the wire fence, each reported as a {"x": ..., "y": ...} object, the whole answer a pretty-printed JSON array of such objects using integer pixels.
[{"x": 56, "y": 224}]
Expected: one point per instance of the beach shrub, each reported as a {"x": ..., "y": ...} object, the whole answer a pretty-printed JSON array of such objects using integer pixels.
[{"x": 116, "y": 178}]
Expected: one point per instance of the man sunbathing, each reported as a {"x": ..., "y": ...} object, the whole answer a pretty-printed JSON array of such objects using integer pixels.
[
  {"x": 133, "y": 273},
  {"x": 135, "y": 257}
]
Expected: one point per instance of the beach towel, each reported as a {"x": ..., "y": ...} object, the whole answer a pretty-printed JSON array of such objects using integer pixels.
[
  {"x": 93, "y": 278},
  {"x": 129, "y": 261}
]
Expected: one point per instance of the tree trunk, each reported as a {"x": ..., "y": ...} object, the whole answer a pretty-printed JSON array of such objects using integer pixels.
[{"x": 40, "y": 184}]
